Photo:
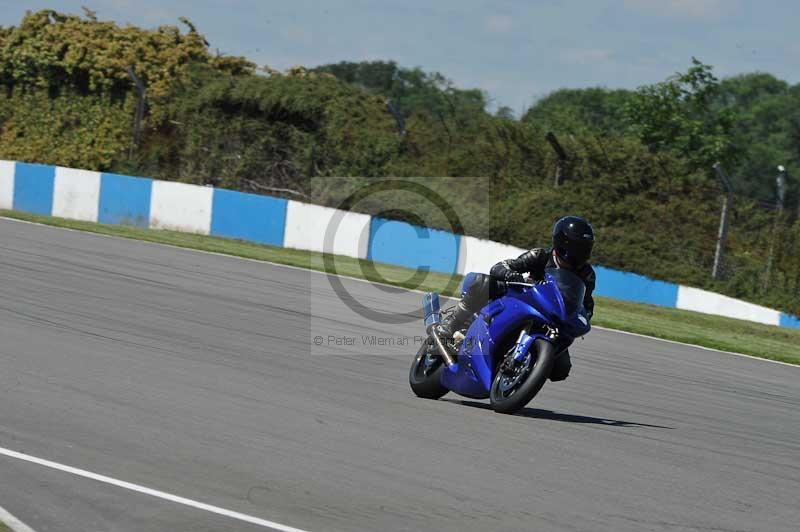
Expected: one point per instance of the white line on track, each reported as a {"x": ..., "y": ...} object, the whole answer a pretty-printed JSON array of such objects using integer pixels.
[
  {"x": 704, "y": 348},
  {"x": 387, "y": 284},
  {"x": 148, "y": 491},
  {"x": 12, "y": 522}
]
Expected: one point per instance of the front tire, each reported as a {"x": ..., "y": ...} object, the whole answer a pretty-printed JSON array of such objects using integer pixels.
[
  {"x": 516, "y": 384},
  {"x": 425, "y": 376}
]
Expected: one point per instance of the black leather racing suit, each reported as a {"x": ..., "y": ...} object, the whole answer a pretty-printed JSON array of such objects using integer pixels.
[{"x": 534, "y": 262}]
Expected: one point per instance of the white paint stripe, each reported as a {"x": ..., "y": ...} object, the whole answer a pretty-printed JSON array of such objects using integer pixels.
[
  {"x": 149, "y": 491},
  {"x": 384, "y": 284},
  {"x": 307, "y": 225},
  {"x": 12, "y": 522},
  {"x": 181, "y": 207},
  {"x": 7, "y": 172},
  {"x": 478, "y": 255},
  {"x": 698, "y": 300},
  {"x": 76, "y": 194}
]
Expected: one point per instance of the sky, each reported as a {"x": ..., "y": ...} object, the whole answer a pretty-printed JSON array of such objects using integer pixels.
[{"x": 515, "y": 50}]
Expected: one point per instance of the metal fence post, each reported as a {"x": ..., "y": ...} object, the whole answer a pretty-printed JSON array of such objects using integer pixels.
[
  {"x": 723, "y": 221},
  {"x": 780, "y": 183},
  {"x": 141, "y": 91},
  {"x": 561, "y": 155},
  {"x": 398, "y": 117}
]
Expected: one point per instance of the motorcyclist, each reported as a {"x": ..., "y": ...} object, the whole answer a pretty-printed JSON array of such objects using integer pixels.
[{"x": 573, "y": 239}]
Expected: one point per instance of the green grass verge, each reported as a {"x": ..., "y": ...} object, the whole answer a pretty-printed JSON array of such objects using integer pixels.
[
  {"x": 765, "y": 341},
  {"x": 727, "y": 334},
  {"x": 4, "y": 527}
]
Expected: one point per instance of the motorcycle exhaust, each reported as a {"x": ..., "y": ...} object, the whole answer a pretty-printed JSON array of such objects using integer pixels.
[
  {"x": 433, "y": 315},
  {"x": 446, "y": 356}
]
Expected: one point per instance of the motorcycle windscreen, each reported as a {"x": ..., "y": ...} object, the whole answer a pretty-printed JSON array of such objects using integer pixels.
[{"x": 571, "y": 288}]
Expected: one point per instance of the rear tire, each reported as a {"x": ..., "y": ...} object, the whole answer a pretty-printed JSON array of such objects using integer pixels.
[
  {"x": 513, "y": 388},
  {"x": 426, "y": 380}
]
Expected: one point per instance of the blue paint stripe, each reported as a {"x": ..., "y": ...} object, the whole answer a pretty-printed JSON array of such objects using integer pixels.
[
  {"x": 412, "y": 246},
  {"x": 248, "y": 217},
  {"x": 33, "y": 188},
  {"x": 124, "y": 200},
  {"x": 633, "y": 287},
  {"x": 787, "y": 320}
]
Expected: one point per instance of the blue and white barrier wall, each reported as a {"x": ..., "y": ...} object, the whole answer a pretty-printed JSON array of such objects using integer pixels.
[
  {"x": 395, "y": 242},
  {"x": 7, "y": 170},
  {"x": 116, "y": 199},
  {"x": 306, "y": 225}
]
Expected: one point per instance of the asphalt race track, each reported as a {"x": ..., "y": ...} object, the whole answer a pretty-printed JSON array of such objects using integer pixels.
[{"x": 197, "y": 375}]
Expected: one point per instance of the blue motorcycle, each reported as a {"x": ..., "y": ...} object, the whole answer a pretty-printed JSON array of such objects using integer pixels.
[{"x": 509, "y": 347}]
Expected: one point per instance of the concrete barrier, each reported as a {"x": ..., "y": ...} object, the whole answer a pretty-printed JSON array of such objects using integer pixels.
[
  {"x": 76, "y": 194},
  {"x": 634, "y": 287},
  {"x": 33, "y": 188},
  {"x": 181, "y": 207},
  {"x": 7, "y": 170},
  {"x": 117, "y": 199},
  {"x": 788, "y": 320},
  {"x": 412, "y": 246},
  {"x": 712, "y": 303},
  {"x": 125, "y": 200},
  {"x": 307, "y": 227},
  {"x": 478, "y": 255},
  {"x": 250, "y": 217}
]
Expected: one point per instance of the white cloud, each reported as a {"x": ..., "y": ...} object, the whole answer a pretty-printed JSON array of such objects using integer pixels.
[
  {"x": 499, "y": 23},
  {"x": 583, "y": 57},
  {"x": 702, "y": 9}
]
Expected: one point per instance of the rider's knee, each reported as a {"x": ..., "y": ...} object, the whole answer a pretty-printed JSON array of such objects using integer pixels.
[
  {"x": 476, "y": 290},
  {"x": 466, "y": 283}
]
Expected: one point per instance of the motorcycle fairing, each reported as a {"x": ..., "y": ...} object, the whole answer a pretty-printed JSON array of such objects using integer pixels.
[{"x": 477, "y": 357}]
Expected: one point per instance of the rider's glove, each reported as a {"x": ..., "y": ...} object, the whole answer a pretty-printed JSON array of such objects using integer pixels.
[{"x": 514, "y": 277}]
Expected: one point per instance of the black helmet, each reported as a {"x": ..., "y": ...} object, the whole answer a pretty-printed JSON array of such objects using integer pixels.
[{"x": 573, "y": 238}]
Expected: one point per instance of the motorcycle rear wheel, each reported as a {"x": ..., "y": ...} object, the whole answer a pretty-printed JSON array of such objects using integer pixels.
[
  {"x": 516, "y": 384},
  {"x": 425, "y": 376}
]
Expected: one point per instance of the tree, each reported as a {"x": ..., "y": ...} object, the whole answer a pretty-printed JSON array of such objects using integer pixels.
[
  {"x": 58, "y": 52},
  {"x": 593, "y": 110},
  {"x": 678, "y": 115},
  {"x": 67, "y": 97},
  {"x": 269, "y": 134},
  {"x": 745, "y": 90},
  {"x": 411, "y": 90},
  {"x": 768, "y": 110}
]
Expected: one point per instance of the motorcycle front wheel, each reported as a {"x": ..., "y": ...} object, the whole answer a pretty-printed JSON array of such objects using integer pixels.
[
  {"x": 516, "y": 383},
  {"x": 425, "y": 376}
]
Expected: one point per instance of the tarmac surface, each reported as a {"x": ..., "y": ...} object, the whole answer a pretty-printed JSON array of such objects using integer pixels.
[{"x": 197, "y": 375}]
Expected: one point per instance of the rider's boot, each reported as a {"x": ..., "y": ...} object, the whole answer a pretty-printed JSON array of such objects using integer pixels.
[{"x": 454, "y": 322}]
